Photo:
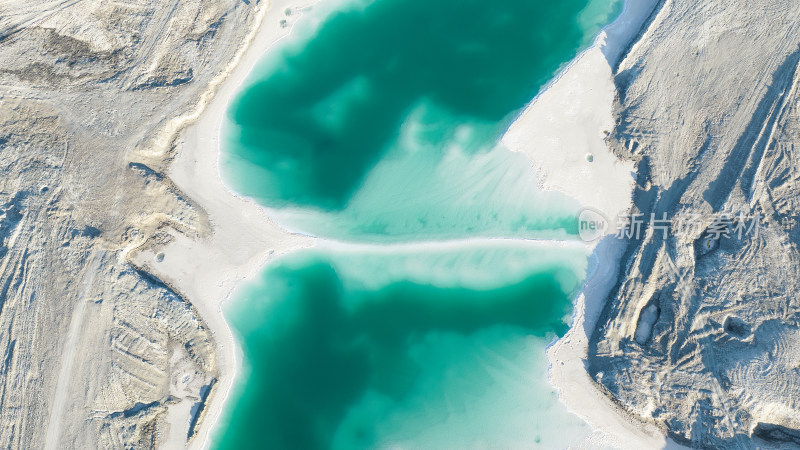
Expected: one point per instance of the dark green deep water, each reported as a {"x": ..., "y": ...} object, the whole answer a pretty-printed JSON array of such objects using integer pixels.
[{"x": 382, "y": 125}]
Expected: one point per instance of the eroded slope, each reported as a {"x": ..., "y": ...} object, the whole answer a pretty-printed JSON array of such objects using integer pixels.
[
  {"x": 95, "y": 353},
  {"x": 700, "y": 335}
]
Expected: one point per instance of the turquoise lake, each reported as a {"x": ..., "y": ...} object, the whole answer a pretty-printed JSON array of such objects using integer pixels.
[{"x": 378, "y": 126}]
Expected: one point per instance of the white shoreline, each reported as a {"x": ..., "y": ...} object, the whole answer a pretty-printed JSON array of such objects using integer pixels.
[
  {"x": 557, "y": 130},
  {"x": 244, "y": 239}
]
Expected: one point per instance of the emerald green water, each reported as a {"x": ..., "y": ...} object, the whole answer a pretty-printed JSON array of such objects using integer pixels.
[
  {"x": 376, "y": 124},
  {"x": 434, "y": 349}
]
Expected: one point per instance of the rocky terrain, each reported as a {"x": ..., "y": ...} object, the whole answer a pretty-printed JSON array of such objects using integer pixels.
[
  {"x": 94, "y": 351},
  {"x": 701, "y": 335}
]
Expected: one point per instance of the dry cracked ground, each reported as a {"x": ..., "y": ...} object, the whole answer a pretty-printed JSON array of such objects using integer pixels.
[
  {"x": 94, "y": 352},
  {"x": 702, "y": 334}
]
